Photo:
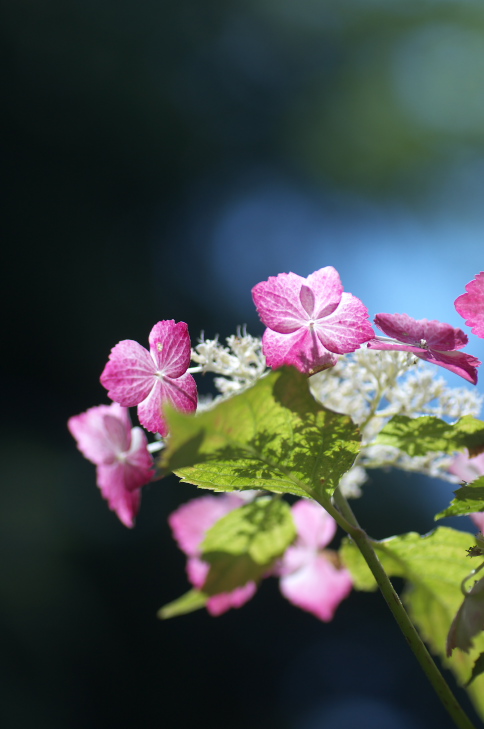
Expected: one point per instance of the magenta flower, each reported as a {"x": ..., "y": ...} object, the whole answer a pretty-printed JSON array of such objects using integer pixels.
[
  {"x": 471, "y": 305},
  {"x": 432, "y": 341},
  {"x": 310, "y": 576},
  {"x": 134, "y": 376},
  {"x": 105, "y": 437},
  {"x": 309, "y": 320},
  {"x": 468, "y": 469},
  {"x": 189, "y": 524}
]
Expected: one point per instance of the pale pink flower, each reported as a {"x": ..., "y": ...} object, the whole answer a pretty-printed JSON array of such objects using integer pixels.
[
  {"x": 432, "y": 341},
  {"x": 468, "y": 469},
  {"x": 189, "y": 524},
  {"x": 471, "y": 305},
  {"x": 105, "y": 437},
  {"x": 134, "y": 376},
  {"x": 309, "y": 320},
  {"x": 310, "y": 577}
]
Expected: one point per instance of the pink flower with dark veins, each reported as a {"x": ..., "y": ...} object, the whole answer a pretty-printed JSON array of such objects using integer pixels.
[
  {"x": 311, "y": 577},
  {"x": 309, "y": 320},
  {"x": 471, "y": 305},
  {"x": 134, "y": 376},
  {"x": 105, "y": 437},
  {"x": 189, "y": 524},
  {"x": 432, "y": 341}
]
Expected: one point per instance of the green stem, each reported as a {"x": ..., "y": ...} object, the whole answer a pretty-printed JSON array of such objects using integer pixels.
[{"x": 345, "y": 517}]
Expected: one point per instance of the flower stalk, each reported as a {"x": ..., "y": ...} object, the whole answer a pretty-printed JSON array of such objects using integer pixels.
[{"x": 364, "y": 544}]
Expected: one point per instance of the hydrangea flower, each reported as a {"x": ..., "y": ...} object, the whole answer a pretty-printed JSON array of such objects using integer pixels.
[
  {"x": 432, "y": 341},
  {"x": 471, "y": 305},
  {"x": 189, "y": 524},
  {"x": 105, "y": 437},
  {"x": 310, "y": 576},
  {"x": 309, "y": 320},
  {"x": 134, "y": 376}
]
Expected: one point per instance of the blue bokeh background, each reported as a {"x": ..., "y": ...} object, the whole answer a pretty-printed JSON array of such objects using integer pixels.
[{"x": 161, "y": 159}]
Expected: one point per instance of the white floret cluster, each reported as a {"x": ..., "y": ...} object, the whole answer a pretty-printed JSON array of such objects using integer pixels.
[
  {"x": 239, "y": 364},
  {"x": 369, "y": 386},
  {"x": 373, "y": 386}
]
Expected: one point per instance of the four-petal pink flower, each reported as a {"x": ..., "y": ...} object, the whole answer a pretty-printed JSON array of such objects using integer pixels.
[
  {"x": 105, "y": 437},
  {"x": 471, "y": 305},
  {"x": 432, "y": 341},
  {"x": 189, "y": 524},
  {"x": 310, "y": 579},
  {"x": 134, "y": 376},
  {"x": 309, "y": 320}
]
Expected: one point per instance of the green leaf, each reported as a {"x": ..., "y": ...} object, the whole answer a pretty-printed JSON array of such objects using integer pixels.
[
  {"x": 468, "y": 499},
  {"x": 477, "y": 669},
  {"x": 187, "y": 603},
  {"x": 242, "y": 545},
  {"x": 419, "y": 436},
  {"x": 434, "y": 566},
  {"x": 272, "y": 436}
]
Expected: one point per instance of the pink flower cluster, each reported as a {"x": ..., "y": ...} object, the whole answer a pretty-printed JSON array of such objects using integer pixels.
[
  {"x": 310, "y": 322},
  {"x": 134, "y": 376},
  {"x": 309, "y": 577}
]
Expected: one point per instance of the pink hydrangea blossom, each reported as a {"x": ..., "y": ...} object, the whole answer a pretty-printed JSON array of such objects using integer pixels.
[
  {"x": 134, "y": 376},
  {"x": 309, "y": 320},
  {"x": 471, "y": 305},
  {"x": 189, "y": 524},
  {"x": 105, "y": 437},
  {"x": 432, "y": 341},
  {"x": 468, "y": 469},
  {"x": 310, "y": 578}
]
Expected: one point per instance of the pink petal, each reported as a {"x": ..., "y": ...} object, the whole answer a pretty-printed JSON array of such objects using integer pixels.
[
  {"x": 278, "y": 302},
  {"x": 181, "y": 393},
  {"x": 471, "y": 305},
  {"x": 459, "y": 363},
  {"x": 197, "y": 571},
  {"x": 125, "y": 503},
  {"x": 117, "y": 433},
  {"x": 130, "y": 373},
  {"x": 150, "y": 413},
  {"x": 327, "y": 290},
  {"x": 191, "y": 521},
  {"x": 478, "y": 519},
  {"x": 315, "y": 527},
  {"x": 346, "y": 328},
  {"x": 170, "y": 347},
  {"x": 138, "y": 464},
  {"x": 436, "y": 334},
  {"x": 464, "y": 365},
  {"x": 317, "y": 587},
  {"x": 467, "y": 469},
  {"x": 89, "y": 430},
  {"x": 300, "y": 349},
  {"x": 219, "y": 604}
]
